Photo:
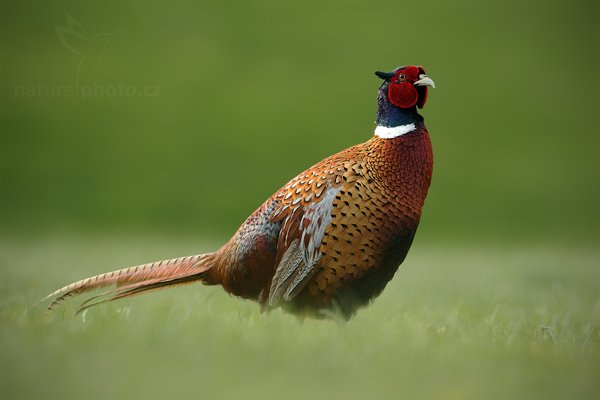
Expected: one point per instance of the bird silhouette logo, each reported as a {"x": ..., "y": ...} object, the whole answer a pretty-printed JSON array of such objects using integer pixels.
[{"x": 89, "y": 47}]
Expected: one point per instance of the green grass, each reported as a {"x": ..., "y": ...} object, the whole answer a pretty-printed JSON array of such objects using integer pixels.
[{"x": 457, "y": 322}]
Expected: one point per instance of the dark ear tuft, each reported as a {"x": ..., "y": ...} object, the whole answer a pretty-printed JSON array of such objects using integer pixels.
[{"x": 384, "y": 75}]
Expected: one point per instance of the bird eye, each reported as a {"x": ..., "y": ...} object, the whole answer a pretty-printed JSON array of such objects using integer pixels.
[{"x": 401, "y": 78}]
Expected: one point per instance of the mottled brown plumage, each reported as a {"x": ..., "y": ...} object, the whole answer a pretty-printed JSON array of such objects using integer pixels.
[{"x": 331, "y": 238}]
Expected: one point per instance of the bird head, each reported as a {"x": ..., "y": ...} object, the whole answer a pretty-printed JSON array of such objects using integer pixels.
[{"x": 406, "y": 87}]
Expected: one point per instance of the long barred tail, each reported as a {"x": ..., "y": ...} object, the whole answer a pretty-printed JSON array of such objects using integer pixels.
[{"x": 135, "y": 280}]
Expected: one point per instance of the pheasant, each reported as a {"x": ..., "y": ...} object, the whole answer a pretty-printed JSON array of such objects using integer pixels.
[{"x": 328, "y": 241}]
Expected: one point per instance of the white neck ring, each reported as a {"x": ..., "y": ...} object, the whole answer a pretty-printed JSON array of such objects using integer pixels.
[{"x": 390, "y": 132}]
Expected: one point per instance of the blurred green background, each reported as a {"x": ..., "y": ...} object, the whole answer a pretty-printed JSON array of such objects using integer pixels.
[
  {"x": 244, "y": 95},
  {"x": 133, "y": 131}
]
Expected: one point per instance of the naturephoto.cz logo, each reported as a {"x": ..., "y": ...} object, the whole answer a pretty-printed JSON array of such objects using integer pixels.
[
  {"x": 90, "y": 49},
  {"x": 85, "y": 91}
]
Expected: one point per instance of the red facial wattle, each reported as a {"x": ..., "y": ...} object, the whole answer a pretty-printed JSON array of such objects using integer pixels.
[{"x": 402, "y": 92}]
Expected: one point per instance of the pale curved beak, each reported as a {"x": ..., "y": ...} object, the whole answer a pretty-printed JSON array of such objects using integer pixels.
[{"x": 424, "y": 80}]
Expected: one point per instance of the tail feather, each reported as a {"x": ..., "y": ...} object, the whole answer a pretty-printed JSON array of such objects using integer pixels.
[
  {"x": 135, "y": 280},
  {"x": 134, "y": 289}
]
